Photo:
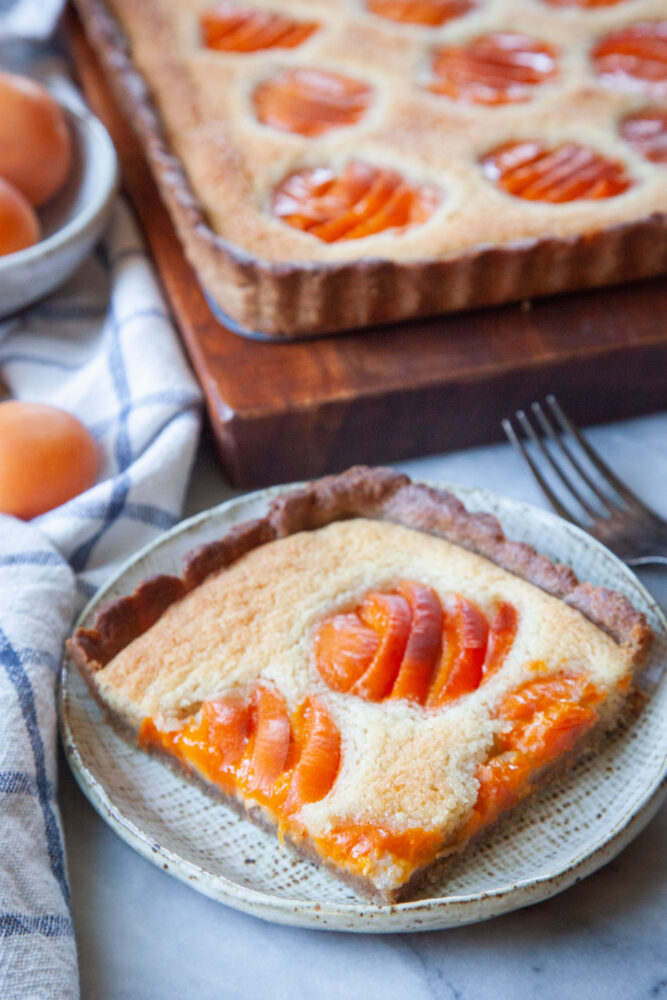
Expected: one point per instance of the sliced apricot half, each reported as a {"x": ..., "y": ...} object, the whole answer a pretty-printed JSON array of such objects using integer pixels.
[
  {"x": 404, "y": 645},
  {"x": 536, "y": 696},
  {"x": 646, "y": 132},
  {"x": 634, "y": 57},
  {"x": 552, "y": 731},
  {"x": 432, "y": 13},
  {"x": 567, "y": 172},
  {"x": 360, "y": 201},
  {"x": 499, "y": 68},
  {"x": 310, "y": 101},
  {"x": 234, "y": 27}
]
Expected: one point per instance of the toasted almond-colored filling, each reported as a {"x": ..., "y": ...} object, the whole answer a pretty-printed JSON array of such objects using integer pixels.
[
  {"x": 429, "y": 12},
  {"x": 359, "y": 202},
  {"x": 254, "y": 748},
  {"x": 568, "y": 172},
  {"x": 310, "y": 102},
  {"x": 235, "y": 27},
  {"x": 646, "y": 132},
  {"x": 406, "y": 644},
  {"x": 499, "y": 68},
  {"x": 634, "y": 57}
]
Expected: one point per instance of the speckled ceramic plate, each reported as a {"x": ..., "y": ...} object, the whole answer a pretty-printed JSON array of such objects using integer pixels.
[{"x": 569, "y": 831}]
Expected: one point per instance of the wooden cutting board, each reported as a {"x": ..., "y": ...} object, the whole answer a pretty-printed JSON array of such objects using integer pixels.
[{"x": 281, "y": 412}]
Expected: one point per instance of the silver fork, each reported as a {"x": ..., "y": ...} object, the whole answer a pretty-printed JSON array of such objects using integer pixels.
[{"x": 610, "y": 511}]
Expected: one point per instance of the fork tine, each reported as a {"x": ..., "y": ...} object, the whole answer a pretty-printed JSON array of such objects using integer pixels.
[
  {"x": 516, "y": 441},
  {"x": 555, "y": 436},
  {"x": 602, "y": 468}
]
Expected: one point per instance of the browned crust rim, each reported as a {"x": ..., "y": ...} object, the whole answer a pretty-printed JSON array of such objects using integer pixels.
[
  {"x": 360, "y": 492},
  {"x": 296, "y": 299}
]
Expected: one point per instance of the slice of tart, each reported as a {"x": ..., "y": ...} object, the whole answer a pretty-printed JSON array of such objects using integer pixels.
[{"x": 369, "y": 669}]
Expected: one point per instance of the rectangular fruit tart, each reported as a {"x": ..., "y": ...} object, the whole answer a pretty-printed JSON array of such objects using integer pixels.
[
  {"x": 333, "y": 164},
  {"x": 370, "y": 670}
]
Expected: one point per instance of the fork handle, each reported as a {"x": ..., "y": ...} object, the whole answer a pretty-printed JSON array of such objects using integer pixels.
[{"x": 647, "y": 561}]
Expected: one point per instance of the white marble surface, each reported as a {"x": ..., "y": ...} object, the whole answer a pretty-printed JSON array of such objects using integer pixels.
[{"x": 142, "y": 935}]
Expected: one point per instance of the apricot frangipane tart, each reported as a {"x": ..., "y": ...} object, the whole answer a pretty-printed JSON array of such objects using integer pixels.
[
  {"x": 242, "y": 96},
  {"x": 369, "y": 669}
]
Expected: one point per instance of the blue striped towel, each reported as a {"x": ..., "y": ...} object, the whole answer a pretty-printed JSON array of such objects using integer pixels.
[{"x": 103, "y": 348}]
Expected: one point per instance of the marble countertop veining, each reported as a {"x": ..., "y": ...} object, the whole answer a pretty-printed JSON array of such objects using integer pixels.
[{"x": 142, "y": 935}]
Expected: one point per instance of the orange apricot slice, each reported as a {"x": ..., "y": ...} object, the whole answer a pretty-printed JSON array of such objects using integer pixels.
[
  {"x": 271, "y": 741},
  {"x": 646, "y": 132},
  {"x": 535, "y": 696},
  {"x": 464, "y": 647},
  {"x": 344, "y": 649},
  {"x": 391, "y": 617},
  {"x": 310, "y": 101},
  {"x": 503, "y": 782},
  {"x": 414, "y": 675},
  {"x": 551, "y": 732},
  {"x": 501, "y": 638},
  {"x": 566, "y": 173},
  {"x": 234, "y": 27},
  {"x": 634, "y": 57},
  {"x": 213, "y": 740},
  {"x": 360, "y": 842},
  {"x": 549, "y": 715},
  {"x": 317, "y": 766},
  {"x": 361, "y": 201},
  {"x": 499, "y": 68},
  {"x": 429, "y": 12},
  {"x": 224, "y": 725}
]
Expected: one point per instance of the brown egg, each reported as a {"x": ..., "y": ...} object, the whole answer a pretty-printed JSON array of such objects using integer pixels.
[
  {"x": 19, "y": 226},
  {"x": 35, "y": 145},
  {"x": 47, "y": 457}
]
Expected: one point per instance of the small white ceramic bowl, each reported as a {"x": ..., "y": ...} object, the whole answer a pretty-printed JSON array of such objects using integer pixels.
[{"x": 71, "y": 221}]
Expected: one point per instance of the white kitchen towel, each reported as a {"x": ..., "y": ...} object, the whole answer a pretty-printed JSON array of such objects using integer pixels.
[{"x": 103, "y": 348}]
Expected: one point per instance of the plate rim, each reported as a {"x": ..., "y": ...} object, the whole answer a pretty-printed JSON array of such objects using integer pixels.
[{"x": 455, "y": 910}]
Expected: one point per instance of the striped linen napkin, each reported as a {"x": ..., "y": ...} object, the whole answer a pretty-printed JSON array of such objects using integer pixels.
[{"x": 103, "y": 348}]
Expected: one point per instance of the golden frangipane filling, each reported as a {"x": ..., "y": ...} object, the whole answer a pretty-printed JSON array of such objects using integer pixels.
[{"x": 255, "y": 679}]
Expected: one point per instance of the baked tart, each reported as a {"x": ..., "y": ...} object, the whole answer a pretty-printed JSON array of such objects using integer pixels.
[
  {"x": 341, "y": 163},
  {"x": 370, "y": 670}
]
